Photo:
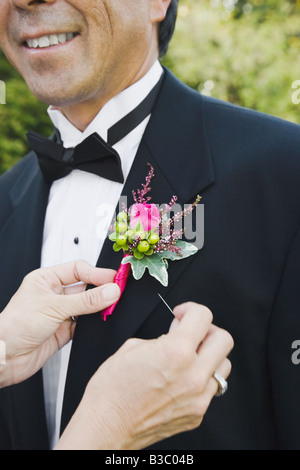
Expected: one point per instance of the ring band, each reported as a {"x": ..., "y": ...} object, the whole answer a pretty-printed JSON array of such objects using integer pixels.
[{"x": 222, "y": 384}]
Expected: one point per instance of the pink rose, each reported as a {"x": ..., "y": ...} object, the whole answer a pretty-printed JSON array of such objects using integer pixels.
[{"x": 147, "y": 214}]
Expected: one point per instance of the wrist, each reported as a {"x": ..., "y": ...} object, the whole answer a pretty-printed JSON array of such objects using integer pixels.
[
  {"x": 78, "y": 435},
  {"x": 93, "y": 427},
  {"x": 5, "y": 376},
  {"x": 2, "y": 353},
  {"x": 84, "y": 431}
]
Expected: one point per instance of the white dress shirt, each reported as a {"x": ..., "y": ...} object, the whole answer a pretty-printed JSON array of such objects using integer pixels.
[{"x": 80, "y": 209}]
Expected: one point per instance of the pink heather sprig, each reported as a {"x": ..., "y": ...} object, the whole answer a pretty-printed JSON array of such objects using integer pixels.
[
  {"x": 169, "y": 206},
  {"x": 168, "y": 243},
  {"x": 185, "y": 212},
  {"x": 139, "y": 195}
]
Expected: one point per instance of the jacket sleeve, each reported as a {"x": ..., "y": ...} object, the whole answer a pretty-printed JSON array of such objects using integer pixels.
[
  {"x": 284, "y": 352},
  {"x": 5, "y": 443}
]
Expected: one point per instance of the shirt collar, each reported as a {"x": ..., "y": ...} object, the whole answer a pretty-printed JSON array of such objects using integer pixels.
[{"x": 118, "y": 107}]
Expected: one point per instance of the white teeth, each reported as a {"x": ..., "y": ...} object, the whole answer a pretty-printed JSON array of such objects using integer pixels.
[
  {"x": 62, "y": 38},
  {"x": 35, "y": 43},
  {"x": 44, "y": 41},
  {"x": 51, "y": 40}
]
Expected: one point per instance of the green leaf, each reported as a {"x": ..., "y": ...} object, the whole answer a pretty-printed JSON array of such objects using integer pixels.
[
  {"x": 113, "y": 236},
  {"x": 187, "y": 249},
  {"x": 158, "y": 269},
  {"x": 138, "y": 255},
  {"x": 138, "y": 267},
  {"x": 155, "y": 265},
  {"x": 116, "y": 247}
]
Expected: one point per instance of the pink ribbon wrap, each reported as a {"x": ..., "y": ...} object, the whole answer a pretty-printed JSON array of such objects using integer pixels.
[{"x": 121, "y": 278}]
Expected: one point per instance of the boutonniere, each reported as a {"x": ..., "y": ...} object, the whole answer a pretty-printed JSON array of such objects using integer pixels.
[{"x": 149, "y": 238}]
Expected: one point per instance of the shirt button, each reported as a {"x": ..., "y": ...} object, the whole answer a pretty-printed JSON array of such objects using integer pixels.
[{"x": 76, "y": 241}]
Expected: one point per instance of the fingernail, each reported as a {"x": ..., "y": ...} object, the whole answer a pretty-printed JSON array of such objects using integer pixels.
[{"x": 111, "y": 292}]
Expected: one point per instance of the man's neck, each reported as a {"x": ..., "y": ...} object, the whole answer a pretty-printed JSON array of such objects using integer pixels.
[
  {"x": 81, "y": 114},
  {"x": 112, "y": 112}
]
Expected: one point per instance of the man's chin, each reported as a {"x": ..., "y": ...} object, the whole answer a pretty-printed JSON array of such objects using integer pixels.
[{"x": 56, "y": 96}]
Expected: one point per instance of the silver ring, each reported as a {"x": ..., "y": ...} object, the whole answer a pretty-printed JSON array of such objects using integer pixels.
[{"x": 222, "y": 384}]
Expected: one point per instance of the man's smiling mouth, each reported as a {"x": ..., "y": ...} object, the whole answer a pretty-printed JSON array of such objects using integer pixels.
[{"x": 49, "y": 40}]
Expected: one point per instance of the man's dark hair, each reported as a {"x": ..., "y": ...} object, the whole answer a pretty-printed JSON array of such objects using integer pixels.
[{"x": 167, "y": 27}]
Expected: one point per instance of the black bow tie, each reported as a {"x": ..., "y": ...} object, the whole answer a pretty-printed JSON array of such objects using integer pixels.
[{"x": 93, "y": 155}]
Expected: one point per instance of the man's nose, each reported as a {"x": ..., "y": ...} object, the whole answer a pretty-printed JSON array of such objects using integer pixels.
[{"x": 29, "y": 4}]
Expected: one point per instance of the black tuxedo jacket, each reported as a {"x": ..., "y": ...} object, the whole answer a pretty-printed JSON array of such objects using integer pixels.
[{"x": 246, "y": 166}]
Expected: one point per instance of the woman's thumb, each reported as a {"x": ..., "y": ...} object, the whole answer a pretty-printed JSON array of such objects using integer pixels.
[{"x": 90, "y": 301}]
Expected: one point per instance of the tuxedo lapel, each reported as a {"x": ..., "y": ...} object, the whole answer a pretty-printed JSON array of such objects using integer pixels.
[
  {"x": 177, "y": 140},
  {"x": 23, "y": 233},
  {"x": 23, "y": 228},
  {"x": 177, "y": 149}
]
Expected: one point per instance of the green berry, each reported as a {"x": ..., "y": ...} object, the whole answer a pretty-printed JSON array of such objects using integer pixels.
[
  {"x": 121, "y": 227},
  {"x": 122, "y": 217},
  {"x": 122, "y": 240},
  {"x": 143, "y": 246},
  {"x": 140, "y": 234},
  {"x": 153, "y": 239},
  {"x": 130, "y": 235}
]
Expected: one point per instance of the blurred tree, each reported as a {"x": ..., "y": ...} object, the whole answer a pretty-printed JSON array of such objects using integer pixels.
[
  {"x": 243, "y": 51},
  {"x": 21, "y": 112}
]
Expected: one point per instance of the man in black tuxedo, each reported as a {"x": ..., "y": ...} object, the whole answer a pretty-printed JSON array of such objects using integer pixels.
[{"x": 79, "y": 56}]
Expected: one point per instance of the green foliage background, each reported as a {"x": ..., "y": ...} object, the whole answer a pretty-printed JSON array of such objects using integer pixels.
[{"x": 245, "y": 52}]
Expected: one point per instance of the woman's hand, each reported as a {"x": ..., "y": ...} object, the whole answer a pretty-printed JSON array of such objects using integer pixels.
[
  {"x": 37, "y": 321},
  {"x": 151, "y": 390}
]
